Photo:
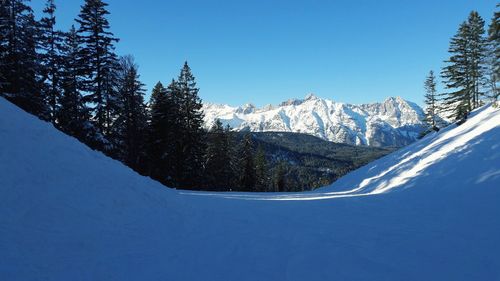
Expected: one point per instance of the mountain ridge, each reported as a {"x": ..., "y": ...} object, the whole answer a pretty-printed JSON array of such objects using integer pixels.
[{"x": 393, "y": 122}]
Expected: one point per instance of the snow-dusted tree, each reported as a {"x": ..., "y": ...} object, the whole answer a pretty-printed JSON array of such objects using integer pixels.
[
  {"x": 130, "y": 128},
  {"x": 100, "y": 63},
  {"x": 18, "y": 58},
  {"x": 431, "y": 109},
  {"x": 50, "y": 43}
]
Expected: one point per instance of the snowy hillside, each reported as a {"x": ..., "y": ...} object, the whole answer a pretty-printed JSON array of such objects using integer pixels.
[
  {"x": 426, "y": 212},
  {"x": 395, "y": 122}
]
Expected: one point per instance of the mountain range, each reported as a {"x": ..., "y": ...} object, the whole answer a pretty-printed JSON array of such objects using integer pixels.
[{"x": 393, "y": 122}]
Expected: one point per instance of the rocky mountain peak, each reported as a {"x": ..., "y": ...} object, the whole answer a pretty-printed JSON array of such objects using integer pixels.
[
  {"x": 393, "y": 122},
  {"x": 311, "y": 96}
]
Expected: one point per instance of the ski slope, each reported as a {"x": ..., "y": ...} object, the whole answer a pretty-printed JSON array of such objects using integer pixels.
[{"x": 427, "y": 212}]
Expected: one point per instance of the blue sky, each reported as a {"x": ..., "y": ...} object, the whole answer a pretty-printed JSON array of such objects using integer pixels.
[{"x": 267, "y": 51}]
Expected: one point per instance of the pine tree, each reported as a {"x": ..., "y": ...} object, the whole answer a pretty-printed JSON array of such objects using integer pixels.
[
  {"x": 261, "y": 171},
  {"x": 5, "y": 32},
  {"x": 247, "y": 176},
  {"x": 217, "y": 166},
  {"x": 279, "y": 177},
  {"x": 493, "y": 71},
  {"x": 73, "y": 115},
  {"x": 157, "y": 132},
  {"x": 456, "y": 76},
  {"x": 477, "y": 51},
  {"x": 18, "y": 60},
  {"x": 50, "y": 44},
  {"x": 129, "y": 129},
  {"x": 100, "y": 63},
  {"x": 234, "y": 158},
  {"x": 189, "y": 154},
  {"x": 465, "y": 70},
  {"x": 164, "y": 129},
  {"x": 431, "y": 101}
]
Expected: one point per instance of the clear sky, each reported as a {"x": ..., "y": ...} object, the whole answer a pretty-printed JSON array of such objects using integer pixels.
[{"x": 267, "y": 51}]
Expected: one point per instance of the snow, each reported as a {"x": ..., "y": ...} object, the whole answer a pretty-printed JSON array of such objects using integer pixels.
[
  {"x": 426, "y": 212},
  {"x": 376, "y": 124}
]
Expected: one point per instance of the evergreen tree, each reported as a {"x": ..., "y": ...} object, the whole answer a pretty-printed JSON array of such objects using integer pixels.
[
  {"x": 456, "y": 76},
  {"x": 477, "y": 51},
  {"x": 431, "y": 101},
  {"x": 464, "y": 73},
  {"x": 247, "y": 176},
  {"x": 73, "y": 115},
  {"x": 165, "y": 135},
  {"x": 156, "y": 131},
  {"x": 189, "y": 147},
  {"x": 279, "y": 177},
  {"x": 493, "y": 71},
  {"x": 217, "y": 166},
  {"x": 164, "y": 127},
  {"x": 100, "y": 63},
  {"x": 4, "y": 44},
  {"x": 50, "y": 44},
  {"x": 234, "y": 159},
  {"x": 129, "y": 129},
  {"x": 18, "y": 59},
  {"x": 261, "y": 171}
]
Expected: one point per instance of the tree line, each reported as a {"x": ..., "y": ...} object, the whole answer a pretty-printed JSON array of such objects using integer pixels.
[
  {"x": 75, "y": 80},
  {"x": 471, "y": 74}
]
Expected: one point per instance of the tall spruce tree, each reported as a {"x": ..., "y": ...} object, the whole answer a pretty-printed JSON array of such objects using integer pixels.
[
  {"x": 4, "y": 44},
  {"x": 494, "y": 55},
  {"x": 73, "y": 115},
  {"x": 19, "y": 67},
  {"x": 234, "y": 158},
  {"x": 189, "y": 154},
  {"x": 262, "y": 182},
  {"x": 477, "y": 51},
  {"x": 100, "y": 63},
  {"x": 431, "y": 101},
  {"x": 464, "y": 73},
  {"x": 456, "y": 76},
  {"x": 164, "y": 128},
  {"x": 50, "y": 44},
  {"x": 247, "y": 176},
  {"x": 279, "y": 177},
  {"x": 130, "y": 128},
  {"x": 157, "y": 131},
  {"x": 217, "y": 167}
]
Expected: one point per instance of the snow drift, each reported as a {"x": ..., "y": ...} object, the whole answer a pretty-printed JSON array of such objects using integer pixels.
[{"x": 427, "y": 212}]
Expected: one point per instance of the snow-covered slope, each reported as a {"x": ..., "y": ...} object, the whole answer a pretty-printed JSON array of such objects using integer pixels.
[
  {"x": 427, "y": 212},
  {"x": 395, "y": 122}
]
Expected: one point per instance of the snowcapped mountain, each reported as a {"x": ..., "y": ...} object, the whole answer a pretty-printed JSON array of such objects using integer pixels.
[
  {"x": 394, "y": 122},
  {"x": 428, "y": 211}
]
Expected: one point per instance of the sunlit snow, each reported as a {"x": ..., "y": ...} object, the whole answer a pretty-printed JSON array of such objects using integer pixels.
[{"x": 429, "y": 211}]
